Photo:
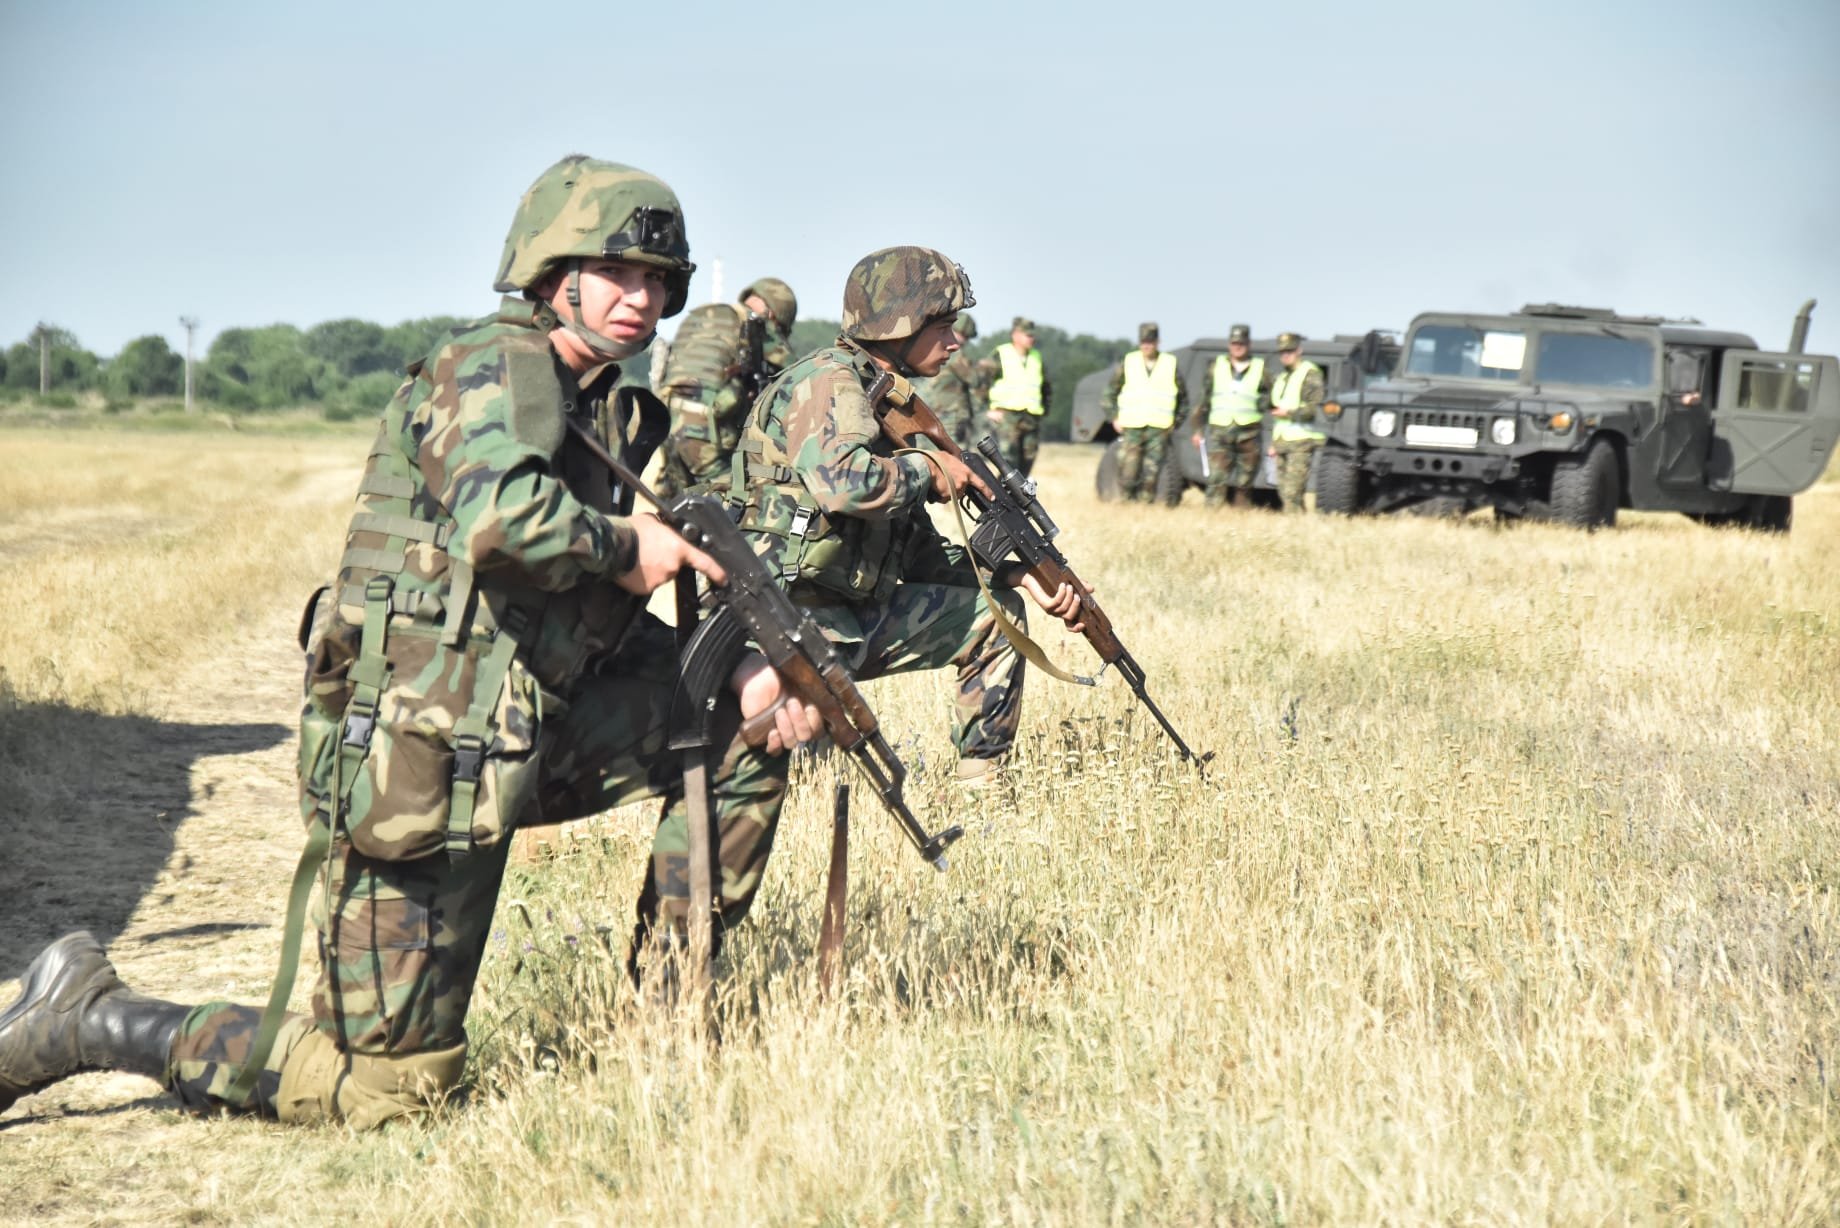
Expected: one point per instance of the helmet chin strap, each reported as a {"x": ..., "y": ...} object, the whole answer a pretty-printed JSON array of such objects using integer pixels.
[{"x": 612, "y": 350}]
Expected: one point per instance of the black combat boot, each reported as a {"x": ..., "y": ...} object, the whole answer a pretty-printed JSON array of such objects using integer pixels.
[{"x": 74, "y": 1014}]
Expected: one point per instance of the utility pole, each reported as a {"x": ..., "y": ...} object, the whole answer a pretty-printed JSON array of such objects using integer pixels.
[
  {"x": 191, "y": 326},
  {"x": 44, "y": 358}
]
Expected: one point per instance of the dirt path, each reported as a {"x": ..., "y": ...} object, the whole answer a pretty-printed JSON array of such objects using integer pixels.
[{"x": 178, "y": 847}]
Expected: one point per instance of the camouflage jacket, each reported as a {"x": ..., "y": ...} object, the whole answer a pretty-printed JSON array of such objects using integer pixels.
[
  {"x": 957, "y": 393},
  {"x": 708, "y": 358},
  {"x": 825, "y": 500},
  {"x": 475, "y": 504}
]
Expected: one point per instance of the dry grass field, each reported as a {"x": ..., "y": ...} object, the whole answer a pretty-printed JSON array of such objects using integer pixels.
[{"x": 1510, "y": 896}]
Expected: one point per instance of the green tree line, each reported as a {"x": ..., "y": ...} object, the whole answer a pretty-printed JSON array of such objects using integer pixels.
[{"x": 349, "y": 368}]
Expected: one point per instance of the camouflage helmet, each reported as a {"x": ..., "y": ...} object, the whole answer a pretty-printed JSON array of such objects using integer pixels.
[
  {"x": 1240, "y": 332},
  {"x": 966, "y": 326},
  {"x": 584, "y": 208},
  {"x": 898, "y": 291},
  {"x": 1147, "y": 331},
  {"x": 782, "y": 303}
]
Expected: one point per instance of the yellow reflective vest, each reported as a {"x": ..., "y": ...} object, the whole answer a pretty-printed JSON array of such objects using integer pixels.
[
  {"x": 1018, "y": 384},
  {"x": 1236, "y": 397},
  {"x": 1287, "y": 393},
  {"x": 1149, "y": 395}
]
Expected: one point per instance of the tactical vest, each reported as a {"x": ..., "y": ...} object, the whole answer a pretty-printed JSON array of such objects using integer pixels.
[
  {"x": 819, "y": 558},
  {"x": 1287, "y": 393},
  {"x": 703, "y": 353},
  {"x": 1148, "y": 397},
  {"x": 1236, "y": 397},
  {"x": 1018, "y": 384},
  {"x": 427, "y": 688}
]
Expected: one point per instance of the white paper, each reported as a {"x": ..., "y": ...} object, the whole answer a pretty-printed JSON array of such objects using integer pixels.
[{"x": 1504, "y": 351}]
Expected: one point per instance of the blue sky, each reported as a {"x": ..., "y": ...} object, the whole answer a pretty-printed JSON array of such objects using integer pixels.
[{"x": 1323, "y": 168}]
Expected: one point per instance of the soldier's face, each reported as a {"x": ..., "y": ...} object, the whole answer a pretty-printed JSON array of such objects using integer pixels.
[
  {"x": 932, "y": 346},
  {"x": 1238, "y": 350},
  {"x": 620, "y": 301},
  {"x": 757, "y": 305},
  {"x": 1147, "y": 349},
  {"x": 1024, "y": 342},
  {"x": 1289, "y": 357}
]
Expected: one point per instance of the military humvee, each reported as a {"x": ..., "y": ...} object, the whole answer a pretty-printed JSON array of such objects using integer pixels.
[
  {"x": 1571, "y": 413},
  {"x": 1348, "y": 363}
]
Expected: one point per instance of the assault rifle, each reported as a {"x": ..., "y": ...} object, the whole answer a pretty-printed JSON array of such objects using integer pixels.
[
  {"x": 750, "y": 604},
  {"x": 751, "y": 367},
  {"x": 1011, "y": 522}
]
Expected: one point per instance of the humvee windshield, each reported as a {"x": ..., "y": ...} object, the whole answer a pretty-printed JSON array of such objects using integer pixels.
[
  {"x": 1598, "y": 360},
  {"x": 1471, "y": 351},
  {"x": 1466, "y": 352}
]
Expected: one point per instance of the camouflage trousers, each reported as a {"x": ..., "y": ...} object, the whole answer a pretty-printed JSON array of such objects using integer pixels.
[
  {"x": 1233, "y": 460},
  {"x": 700, "y": 449},
  {"x": 400, "y": 942},
  {"x": 1140, "y": 458},
  {"x": 931, "y": 626},
  {"x": 1294, "y": 456},
  {"x": 1018, "y": 433}
]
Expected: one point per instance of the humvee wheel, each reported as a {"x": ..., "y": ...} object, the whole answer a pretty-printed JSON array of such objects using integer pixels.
[
  {"x": 1169, "y": 480},
  {"x": 1338, "y": 482},
  {"x": 1586, "y": 489},
  {"x": 1105, "y": 481},
  {"x": 1770, "y": 513}
]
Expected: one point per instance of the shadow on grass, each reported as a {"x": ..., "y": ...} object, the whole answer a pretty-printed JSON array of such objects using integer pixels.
[{"x": 91, "y": 805}]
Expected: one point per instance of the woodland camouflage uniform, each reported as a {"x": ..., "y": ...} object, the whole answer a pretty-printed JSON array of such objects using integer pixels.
[
  {"x": 1233, "y": 433},
  {"x": 1142, "y": 445},
  {"x": 1294, "y": 435},
  {"x": 706, "y": 382},
  {"x": 843, "y": 520},
  {"x": 473, "y": 665}
]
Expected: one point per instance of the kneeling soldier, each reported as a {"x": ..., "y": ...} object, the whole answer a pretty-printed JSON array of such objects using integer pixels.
[
  {"x": 843, "y": 520},
  {"x": 483, "y": 658}
]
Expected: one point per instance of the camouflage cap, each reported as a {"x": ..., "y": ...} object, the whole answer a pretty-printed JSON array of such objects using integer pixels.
[
  {"x": 1289, "y": 341},
  {"x": 782, "y": 303},
  {"x": 1146, "y": 332},
  {"x": 1240, "y": 332},
  {"x": 584, "y": 208},
  {"x": 897, "y": 291},
  {"x": 966, "y": 326},
  {"x": 1022, "y": 324}
]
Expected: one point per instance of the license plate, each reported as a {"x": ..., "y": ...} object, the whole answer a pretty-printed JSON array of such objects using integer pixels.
[{"x": 1441, "y": 436}]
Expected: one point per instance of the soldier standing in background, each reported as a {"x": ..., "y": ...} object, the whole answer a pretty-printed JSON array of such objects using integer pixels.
[
  {"x": 722, "y": 357},
  {"x": 956, "y": 395},
  {"x": 1145, "y": 398},
  {"x": 1296, "y": 400},
  {"x": 1019, "y": 394},
  {"x": 482, "y": 658},
  {"x": 843, "y": 520},
  {"x": 1234, "y": 395}
]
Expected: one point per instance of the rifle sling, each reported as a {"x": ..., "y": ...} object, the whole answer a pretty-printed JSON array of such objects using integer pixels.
[{"x": 1031, "y": 651}]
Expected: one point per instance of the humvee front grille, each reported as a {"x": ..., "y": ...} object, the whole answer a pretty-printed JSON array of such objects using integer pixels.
[{"x": 1445, "y": 418}]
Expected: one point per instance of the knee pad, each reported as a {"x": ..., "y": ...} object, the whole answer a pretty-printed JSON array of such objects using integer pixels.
[{"x": 321, "y": 1083}]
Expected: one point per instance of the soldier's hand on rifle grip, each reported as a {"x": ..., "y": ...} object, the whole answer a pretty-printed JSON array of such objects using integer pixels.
[
  {"x": 770, "y": 715},
  {"x": 662, "y": 554},
  {"x": 961, "y": 476}
]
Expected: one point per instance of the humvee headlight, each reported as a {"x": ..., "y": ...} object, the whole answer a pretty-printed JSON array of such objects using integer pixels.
[
  {"x": 1382, "y": 422},
  {"x": 1502, "y": 431},
  {"x": 1332, "y": 409},
  {"x": 1560, "y": 421}
]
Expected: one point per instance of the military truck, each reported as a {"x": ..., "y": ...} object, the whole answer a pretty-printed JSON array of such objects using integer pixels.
[
  {"x": 1572, "y": 413},
  {"x": 1348, "y": 363}
]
